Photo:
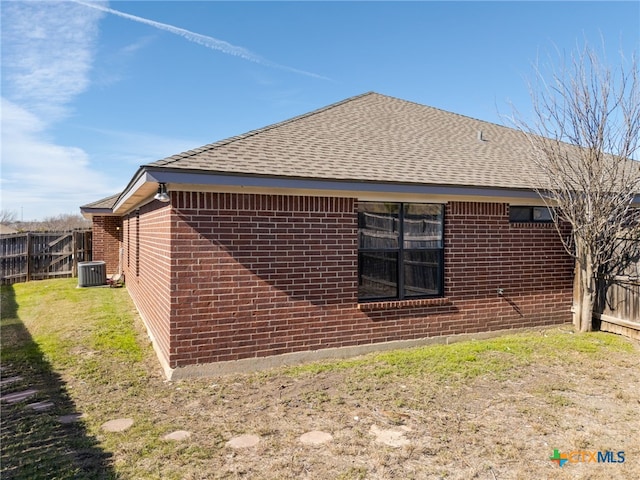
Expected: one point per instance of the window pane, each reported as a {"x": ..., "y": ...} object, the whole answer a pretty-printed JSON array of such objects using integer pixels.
[
  {"x": 541, "y": 214},
  {"x": 378, "y": 225},
  {"x": 378, "y": 275},
  {"x": 530, "y": 214},
  {"x": 423, "y": 225},
  {"x": 519, "y": 214},
  {"x": 422, "y": 272}
]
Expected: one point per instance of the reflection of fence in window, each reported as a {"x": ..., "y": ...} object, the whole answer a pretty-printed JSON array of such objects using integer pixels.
[
  {"x": 378, "y": 240},
  {"x": 378, "y": 274},
  {"x": 381, "y": 232},
  {"x": 381, "y": 222},
  {"x": 400, "y": 250},
  {"x": 379, "y": 271},
  {"x": 421, "y": 273},
  {"x": 423, "y": 230}
]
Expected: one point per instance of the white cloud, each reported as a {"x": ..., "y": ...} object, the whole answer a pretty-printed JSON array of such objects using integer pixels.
[
  {"x": 47, "y": 54},
  {"x": 48, "y": 50},
  {"x": 40, "y": 177}
]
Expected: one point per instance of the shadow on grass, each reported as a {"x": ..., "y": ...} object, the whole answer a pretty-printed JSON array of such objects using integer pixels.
[{"x": 53, "y": 442}]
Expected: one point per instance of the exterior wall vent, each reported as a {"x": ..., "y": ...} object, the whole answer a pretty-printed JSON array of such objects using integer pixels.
[{"x": 92, "y": 274}]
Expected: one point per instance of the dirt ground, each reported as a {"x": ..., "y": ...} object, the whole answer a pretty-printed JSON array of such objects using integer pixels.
[{"x": 389, "y": 426}]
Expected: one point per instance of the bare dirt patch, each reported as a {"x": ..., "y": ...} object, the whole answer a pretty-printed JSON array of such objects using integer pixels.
[{"x": 388, "y": 425}]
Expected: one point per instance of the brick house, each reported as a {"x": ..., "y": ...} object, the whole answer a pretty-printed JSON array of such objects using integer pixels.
[{"x": 370, "y": 224}]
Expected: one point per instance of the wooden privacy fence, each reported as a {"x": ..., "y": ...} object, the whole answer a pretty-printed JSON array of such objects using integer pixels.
[
  {"x": 618, "y": 304},
  {"x": 39, "y": 255}
]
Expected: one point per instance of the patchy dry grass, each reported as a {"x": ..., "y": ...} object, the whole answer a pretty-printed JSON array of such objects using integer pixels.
[{"x": 491, "y": 409}]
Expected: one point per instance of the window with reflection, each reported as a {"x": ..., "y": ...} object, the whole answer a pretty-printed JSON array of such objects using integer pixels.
[
  {"x": 400, "y": 250},
  {"x": 520, "y": 214}
]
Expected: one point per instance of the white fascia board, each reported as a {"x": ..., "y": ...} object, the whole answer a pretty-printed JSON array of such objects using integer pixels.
[{"x": 135, "y": 194}]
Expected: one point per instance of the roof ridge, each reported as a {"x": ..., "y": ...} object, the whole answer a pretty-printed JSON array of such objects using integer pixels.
[
  {"x": 251, "y": 133},
  {"x": 449, "y": 112}
]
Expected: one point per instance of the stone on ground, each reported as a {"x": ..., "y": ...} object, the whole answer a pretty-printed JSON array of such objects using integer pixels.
[
  {"x": 178, "y": 435},
  {"x": 392, "y": 438},
  {"x": 316, "y": 437},
  {"x": 117, "y": 425},
  {"x": 244, "y": 441}
]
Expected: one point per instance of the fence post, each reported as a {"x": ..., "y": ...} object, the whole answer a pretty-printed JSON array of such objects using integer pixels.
[
  {"x": 88, "y": 245},
  {"x": 29, "y": 262},
  {"x": 74, "y": 260}
]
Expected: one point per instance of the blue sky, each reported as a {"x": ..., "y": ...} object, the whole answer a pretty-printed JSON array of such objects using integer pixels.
[{"x": 89, "y": 94}]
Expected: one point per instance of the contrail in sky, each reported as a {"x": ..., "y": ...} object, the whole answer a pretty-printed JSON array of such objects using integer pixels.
[{"x": 204, "y": 40}]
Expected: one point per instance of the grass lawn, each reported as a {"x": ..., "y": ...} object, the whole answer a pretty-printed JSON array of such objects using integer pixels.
[{"x": 490, "y": 409}]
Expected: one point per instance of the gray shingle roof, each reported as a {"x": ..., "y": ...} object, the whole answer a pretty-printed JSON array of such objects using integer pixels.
[
  {"x": 372, "y": 138},
  {"x": 108, "y": 202}
]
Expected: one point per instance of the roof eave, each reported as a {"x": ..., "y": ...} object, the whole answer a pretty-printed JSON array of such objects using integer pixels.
[
  {"x": 88, "y": 212},
  {"x": 144, "y": 185},
  {"x": 181, "y": 179}
]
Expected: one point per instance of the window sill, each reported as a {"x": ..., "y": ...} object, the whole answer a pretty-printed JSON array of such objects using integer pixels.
[
  {"x": 397, "y": 304},
  {"x": 532, "y": 224}
]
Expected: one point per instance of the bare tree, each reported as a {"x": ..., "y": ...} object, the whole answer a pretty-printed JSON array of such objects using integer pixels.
[
  {"x": 584, "y": 137},
  {"x": 64, "y": 222},
  {"x": 8, "y": 217},
  {"x": 59, "y": 223}
]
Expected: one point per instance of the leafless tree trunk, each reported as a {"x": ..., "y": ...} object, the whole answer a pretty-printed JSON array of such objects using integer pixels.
[{"x": 584, "y": 137}]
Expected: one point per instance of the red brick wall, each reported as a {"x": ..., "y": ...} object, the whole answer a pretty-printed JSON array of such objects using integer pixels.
[
  {"x": 485, "y": 252},
  {"x": 107, "y": 235},
  {"x": 258, "y": 275},
  {"x": 147, "y": 267}
]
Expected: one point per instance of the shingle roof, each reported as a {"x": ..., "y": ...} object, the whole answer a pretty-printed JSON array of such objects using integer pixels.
[
  {"x": 108, "y": 202},
  {"x": 374, "y": 138}
]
